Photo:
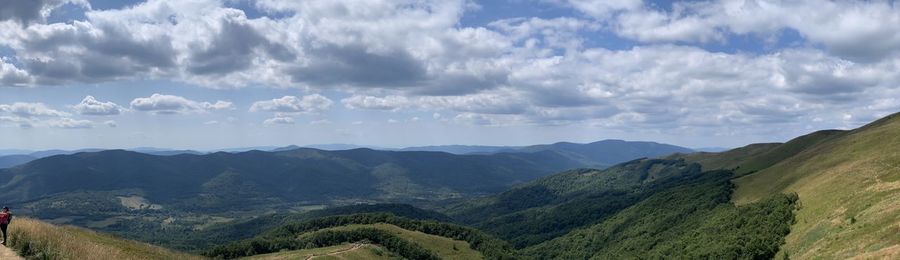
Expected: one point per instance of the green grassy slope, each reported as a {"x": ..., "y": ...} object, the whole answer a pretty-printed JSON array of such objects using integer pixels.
[
  {"x": 755, "y": 157},
  {"x": 730, "y": 159},
  {"x": 849, "y": 187}
]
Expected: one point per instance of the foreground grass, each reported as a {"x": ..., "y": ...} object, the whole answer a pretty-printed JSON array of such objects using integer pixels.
[{"x": 34, "y": 239}]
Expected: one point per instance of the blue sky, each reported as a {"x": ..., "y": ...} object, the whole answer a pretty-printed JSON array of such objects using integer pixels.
[{"x": 213, "y": 74}]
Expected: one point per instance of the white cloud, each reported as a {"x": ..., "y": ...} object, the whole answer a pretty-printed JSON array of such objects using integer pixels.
[
  {"x": 314, "y": 103},
  {"x": 279, "y": 121},
  {"x": 91, "y": 106},
  {"x": 21, "y": 122},
  {"x": 111, "y": 123},
  {"x": 12, "y": 76},
  {"x": 414, "y": 55},
  {"x": 376, "y": 103},
  {"x": 473, "y": 119},
  {"x": 68, "y": 123},
  {"x": 26, "y": 12},
  {"x": 856, "y": 30},
  {"x": 23, "y": 109},
  {"x": 219, "y": 105},
  {"x": 170, "y": 104}
]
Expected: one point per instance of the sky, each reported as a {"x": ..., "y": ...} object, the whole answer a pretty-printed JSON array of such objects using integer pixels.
[{"x": 211, "y": 74}]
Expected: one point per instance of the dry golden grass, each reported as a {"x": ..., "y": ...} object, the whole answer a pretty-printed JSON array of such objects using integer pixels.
[{"x": 35, "y": 239}]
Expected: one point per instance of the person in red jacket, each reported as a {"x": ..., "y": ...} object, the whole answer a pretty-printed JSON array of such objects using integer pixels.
[{"x": 5, "y": 218}]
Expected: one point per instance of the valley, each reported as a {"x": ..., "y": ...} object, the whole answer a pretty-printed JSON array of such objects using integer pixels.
[{"x": 825, "y": 194}]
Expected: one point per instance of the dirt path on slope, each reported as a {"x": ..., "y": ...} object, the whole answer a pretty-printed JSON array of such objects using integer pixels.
[
  {"x": 354, "y": 247},
  {"x": 9, "y": 254}
]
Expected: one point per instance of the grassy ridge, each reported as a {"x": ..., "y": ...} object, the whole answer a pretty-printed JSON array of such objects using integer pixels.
[
  {"x": 850, "y": 189},
  {"x": 727, "y": 160},
  {"x": 755, "y": 157},
  {"x": 34, "y": 239}
]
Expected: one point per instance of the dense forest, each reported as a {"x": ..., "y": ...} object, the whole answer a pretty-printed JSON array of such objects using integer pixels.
[
  {"x": 285, "y": 237},
  {"x": 552, "y": 206}
]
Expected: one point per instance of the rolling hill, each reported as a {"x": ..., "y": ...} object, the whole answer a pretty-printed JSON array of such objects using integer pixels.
[
  {"x": 607, "y": 152},
  {"x": 461, "y": 149},
  {"x": 554, "y": 205},
  {"x": 848, "y": 183},
  {"x": 408, "y": 238},
  {"x": 7, "y": 161},
  {"x": 601, "y": 153}
]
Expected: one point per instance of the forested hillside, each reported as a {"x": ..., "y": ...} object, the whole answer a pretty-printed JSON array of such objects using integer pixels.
[
  {"x": 694, "y": 220},
  {"x": 552, "y": 206},
  {"x": 320, "y": 233}
]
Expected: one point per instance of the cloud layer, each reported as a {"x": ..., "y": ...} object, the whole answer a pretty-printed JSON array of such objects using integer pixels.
[{"x": 613, "y": 64}]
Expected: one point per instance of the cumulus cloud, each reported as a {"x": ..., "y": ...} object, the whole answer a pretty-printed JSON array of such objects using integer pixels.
[
  {"x": 29, "y": 110},
  {"x": 170, "y": 104},
  {"x": 12, "y": 76},
  {"x": 111, "y": 123},
  {"x": 91, "y": 106},
  {"x": 416, "y": 55},
  {"x": 387, "y": 44},
  {"x": 856, "y": 30},
  {"x": 314, "y": 103},
  {"x": 31, "y": 11},
  {"x": 279, "y": 121},
  {"x": 375, "y": 103},
  {"x": 68, "y": 123}
]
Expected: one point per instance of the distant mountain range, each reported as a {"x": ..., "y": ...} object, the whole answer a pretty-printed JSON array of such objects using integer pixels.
[
  {"x": 461, "y": 149},
  {"x": 13, "y": 157},
  {"x": 7, "y": 161},
  {"x": 192, "y": 181}
]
